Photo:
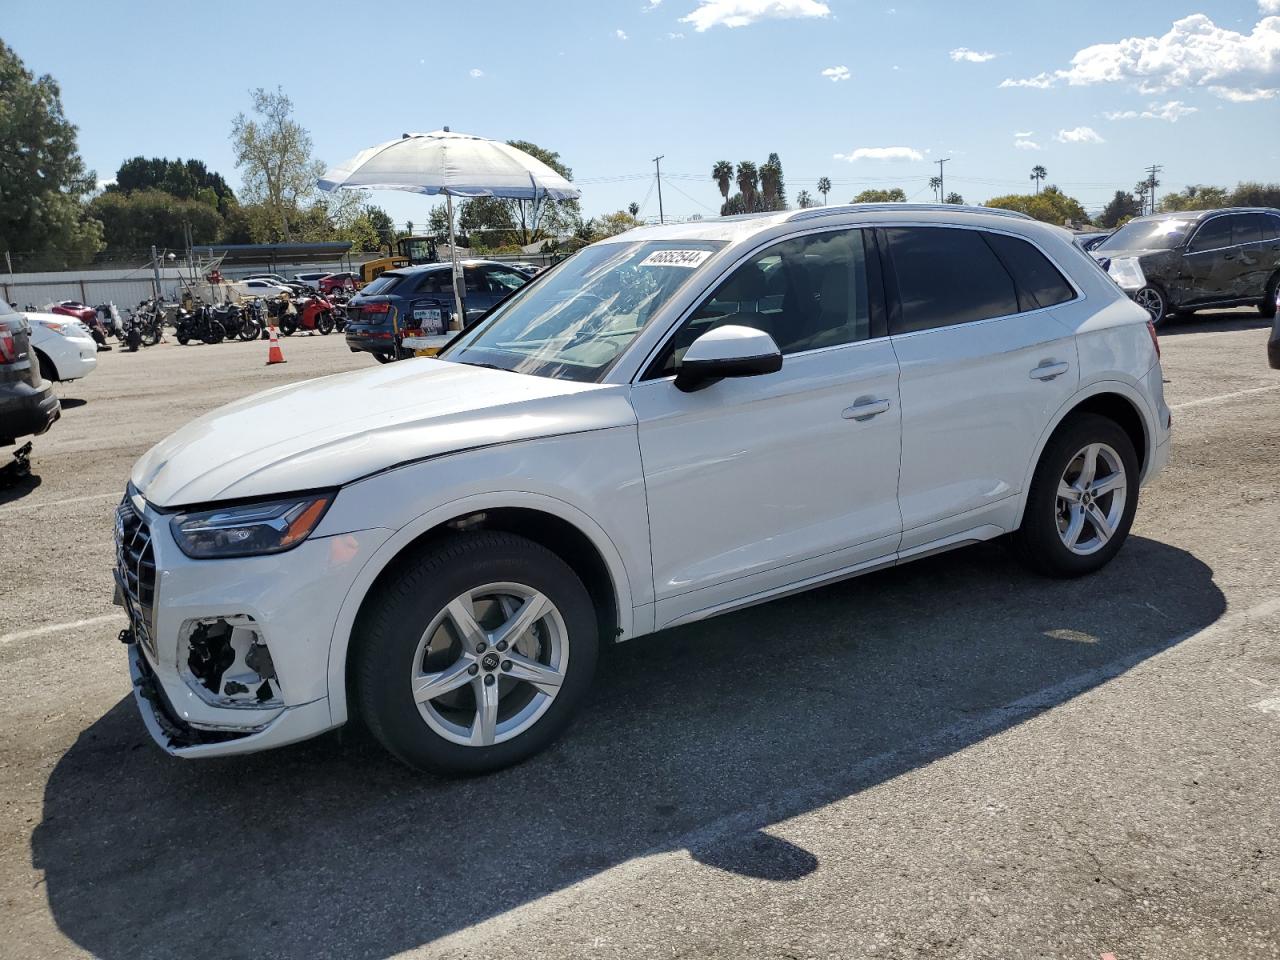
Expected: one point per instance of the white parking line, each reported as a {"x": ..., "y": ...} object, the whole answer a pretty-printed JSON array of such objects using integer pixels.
[
  {"x": 1205, "y": 401},
  {"x": 8, "y": 638},
  {"x": 15, "y": 508}
]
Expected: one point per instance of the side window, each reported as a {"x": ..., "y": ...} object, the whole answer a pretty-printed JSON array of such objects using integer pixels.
[
  {"x": 806, "y": 293},
  {"x": 1270, "y": 226},
  {"x": 1212, "y": 234},
  {"x": 1247, "y": 228},
  {"x": 947, "y": 276},
  {"x": 1038, "y": 281},
  {"x": 504, "y": 281}
]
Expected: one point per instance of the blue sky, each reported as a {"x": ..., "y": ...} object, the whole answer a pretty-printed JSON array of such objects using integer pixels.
[{"x": 866, "y": 92}]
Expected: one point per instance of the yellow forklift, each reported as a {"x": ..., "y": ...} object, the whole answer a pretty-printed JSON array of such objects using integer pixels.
[{"x": 409, "y": 250}]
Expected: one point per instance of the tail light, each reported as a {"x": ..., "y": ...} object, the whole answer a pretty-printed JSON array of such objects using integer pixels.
[
  {"x": 1155, "y": 340},
  {"x": 375, "y": 309},
  {"x": 8, "y": 349}
]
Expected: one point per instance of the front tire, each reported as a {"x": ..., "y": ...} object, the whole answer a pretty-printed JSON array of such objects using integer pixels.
[
  {"x": 1155, "y": 301},
  {"x": 1082, "y": 499},
  {"x": 475, "y": 655}
]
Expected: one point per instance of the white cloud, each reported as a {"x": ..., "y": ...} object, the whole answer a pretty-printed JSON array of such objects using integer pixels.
[
  {"x": 836, "y": 73},
  {"x": 1025, "y": 133},
  {"x": 477, "y": 73},
  {"x": 653, "y": 5},
  {"x": 881, "y": 153},
  {"x": 1269, "y": 6},
  {"x": 675, "y": 36},
  {"x": 965, "y": 55},
  {"x": 742, "y": 13},
  {"x": 1023, "y": 144},
  {"x": 620, "y": 34},
  {"x": 1194, "y": 52},
  {"x": 1170, "y": 112},
  {"x": 1078, "y": 135}
]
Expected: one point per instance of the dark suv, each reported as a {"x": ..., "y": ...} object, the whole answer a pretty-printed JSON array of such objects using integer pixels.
[
  {"x": 1176, "y": 263},
  {"x": 28, "y": 404},
  {"x": 421, "y": 298}
]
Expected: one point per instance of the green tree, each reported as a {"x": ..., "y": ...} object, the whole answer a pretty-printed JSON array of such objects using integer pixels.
[
  {"x": 773, "y": 187},
  {"x": 43, "y": 180},
  {"x": 1050, "y": 205},
  {"x": 488, "y": 222},
  {"x": 1038, "y": 173},
  {"x": 274, "y": 152},
  {"x": 613, "y": 224},
  {"x": 893, "y": 195},
  {"x": 935, "y": 184},
  {"x": 185, "y": 179},
  {"x": 824, "y": 187},
  {"x": 133, "y": 221},
  {"x": 633, "y": 208},
  {"x": 722, "y": 174},
  {"x": 438, "y": 223},
  {"x": 1251, "y": 194},
  {"x": 954, "y": 198},
  {"x": 804, "y": 200},
  {"x": 1121, "y": 208},
  {"x": 1196, "y": 197},
  {"x": 748, "y": 178}
]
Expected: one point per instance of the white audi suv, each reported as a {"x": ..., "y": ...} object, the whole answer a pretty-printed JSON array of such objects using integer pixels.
[{"x": 673, "y": 423}]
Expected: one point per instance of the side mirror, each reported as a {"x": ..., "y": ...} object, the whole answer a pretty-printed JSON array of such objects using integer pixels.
[{"x": 728, "y": 351}]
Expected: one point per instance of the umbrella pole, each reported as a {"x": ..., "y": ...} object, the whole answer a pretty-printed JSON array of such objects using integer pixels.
[{"x": 453, "y": 256}]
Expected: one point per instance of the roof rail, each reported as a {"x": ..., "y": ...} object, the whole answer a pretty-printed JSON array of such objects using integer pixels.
[{"x": 812, "y": 213}]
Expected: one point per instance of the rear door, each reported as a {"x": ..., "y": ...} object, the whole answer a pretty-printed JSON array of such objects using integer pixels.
[
  {"x": 984, "y": 366},
  {"x": 1252, "y": 236}
]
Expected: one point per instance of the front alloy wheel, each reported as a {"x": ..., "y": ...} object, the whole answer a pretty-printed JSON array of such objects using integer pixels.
[
  {"x": 1153, "y": 300},
  {"x": 475, "y": 654}
]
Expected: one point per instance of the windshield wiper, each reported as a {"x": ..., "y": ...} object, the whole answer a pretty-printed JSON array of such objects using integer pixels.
[{"x": 487, "y": 366}]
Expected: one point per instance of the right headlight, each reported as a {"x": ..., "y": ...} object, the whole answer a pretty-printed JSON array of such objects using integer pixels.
[
  {"x": 1127, "y": 273},
  {"x": 250, "y": 529}
]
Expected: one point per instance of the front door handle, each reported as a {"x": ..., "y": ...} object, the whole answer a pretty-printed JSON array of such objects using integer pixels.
[
  {"x": 1047, "y": 370},
  {"x": 864, "y": 409}
]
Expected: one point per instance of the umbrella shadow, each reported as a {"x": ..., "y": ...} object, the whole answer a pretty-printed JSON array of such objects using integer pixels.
[{"x": 698, "y": 738}]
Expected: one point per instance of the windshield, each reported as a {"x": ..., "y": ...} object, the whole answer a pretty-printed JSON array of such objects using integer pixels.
[
  {"x": 575, "y": 321},
  {"x": 1148, "y": 235}
]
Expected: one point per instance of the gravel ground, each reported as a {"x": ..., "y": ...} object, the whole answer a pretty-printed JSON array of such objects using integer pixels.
[{"x": 952, "y": 759}]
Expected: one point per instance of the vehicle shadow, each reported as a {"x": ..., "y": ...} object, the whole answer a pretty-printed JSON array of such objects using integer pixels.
[
  {"x": 694, "y": 738},
  {"x": 1215, "y": 321},
  {"x": 13, "y": 484},
  {"x": 70, "y": 403}
]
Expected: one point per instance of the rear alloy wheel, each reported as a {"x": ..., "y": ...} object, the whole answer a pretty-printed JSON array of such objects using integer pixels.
[
  {"x": 1082, "y": 499},
  {"x": 1153, "y": 300},
  {"x": 476, "y": 655}
]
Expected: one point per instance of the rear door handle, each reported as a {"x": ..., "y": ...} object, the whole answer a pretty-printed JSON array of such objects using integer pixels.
[
  {"x": 1047, "y": 370},
  {"x": 864, "y": 409}
]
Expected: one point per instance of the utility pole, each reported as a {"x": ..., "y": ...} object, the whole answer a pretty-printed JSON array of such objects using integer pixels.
[
  {"x": 155, "y": 271},
  {"x": 942, "y": 183},
  {"x": 1151, "y": 183},
  {"x": 657, "y": 162}
]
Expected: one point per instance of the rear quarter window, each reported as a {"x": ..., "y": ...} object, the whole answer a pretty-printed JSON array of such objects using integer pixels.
[
  {"x": 946, "y": 276},
  {"x": 1039, "y": 282}
]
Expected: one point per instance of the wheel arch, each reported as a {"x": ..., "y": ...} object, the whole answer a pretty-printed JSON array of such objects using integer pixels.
[
  {"x": 47, "y": 363},
  {"x": 1117, "y": 401},
  {"x": 555, "y": 524}
]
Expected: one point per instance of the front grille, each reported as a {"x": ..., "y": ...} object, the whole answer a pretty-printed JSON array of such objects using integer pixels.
[{"x": 136, "y": 567}]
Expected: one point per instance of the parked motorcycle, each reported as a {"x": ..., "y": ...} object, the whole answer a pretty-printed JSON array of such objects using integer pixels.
[
  {"x": 110, "y": 319},
  {"x": 87, "y": 316},
  {"x": 237, "y": 321},
  {"x": 131, "y": 331},
  {"x": 199, "y": 324},
  {"x": 309, "y": 313},
  {"x": 338, "y": 300},
  {"x": 149, "y": 320}
]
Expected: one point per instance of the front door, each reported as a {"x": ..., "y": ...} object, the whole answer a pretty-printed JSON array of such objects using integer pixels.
[
  {"x": 1212, "y": 263},
  {"x": 761, "y": 483}
]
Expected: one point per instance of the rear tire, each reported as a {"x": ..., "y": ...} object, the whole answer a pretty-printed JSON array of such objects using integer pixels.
[
  {"x": 410, "y": 638},
  {"x": 1271, "y": 298},
  {"x": 1082, "y": 499}
]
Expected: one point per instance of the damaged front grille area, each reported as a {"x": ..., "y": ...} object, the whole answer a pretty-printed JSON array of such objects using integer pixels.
[
  {"x": 136, "y": 570},
  {"x": 229, "y": 664}
]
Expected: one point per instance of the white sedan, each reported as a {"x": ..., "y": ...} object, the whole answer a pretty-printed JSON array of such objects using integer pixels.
[{"x": 63, "y": 346}]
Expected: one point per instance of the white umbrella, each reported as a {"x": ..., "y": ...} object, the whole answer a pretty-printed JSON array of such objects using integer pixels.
[{"x": 453, "y": 164}]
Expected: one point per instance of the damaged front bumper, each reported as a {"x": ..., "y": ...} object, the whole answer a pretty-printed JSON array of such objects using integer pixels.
[{"x": 180, "y": 739}]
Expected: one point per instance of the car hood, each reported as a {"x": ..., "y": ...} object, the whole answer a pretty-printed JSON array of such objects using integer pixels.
[
  {"x": 330, "y": 431},
  {"x": 1121, "y": 254}
]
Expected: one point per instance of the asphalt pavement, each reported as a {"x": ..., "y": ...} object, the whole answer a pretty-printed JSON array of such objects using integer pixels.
[{"x": 951, "y": 759}]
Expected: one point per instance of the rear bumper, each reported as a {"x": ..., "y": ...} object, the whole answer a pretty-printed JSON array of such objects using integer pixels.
[
  {"x": 369, "y": 342},
  {"x": 26, "y": 410}
]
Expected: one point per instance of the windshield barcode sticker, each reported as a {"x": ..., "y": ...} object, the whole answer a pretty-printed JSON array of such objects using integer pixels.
[{"x": 676, "y": 258}]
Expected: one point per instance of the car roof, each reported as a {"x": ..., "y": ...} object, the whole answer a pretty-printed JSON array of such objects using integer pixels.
[
  {"x": 443, "y": 265},
  {"x": 743, "y": 226},
  {"x": 1202, "y": 214}
]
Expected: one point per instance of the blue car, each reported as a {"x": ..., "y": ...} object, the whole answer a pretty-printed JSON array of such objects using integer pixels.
[{"x": 421, "y": 298}]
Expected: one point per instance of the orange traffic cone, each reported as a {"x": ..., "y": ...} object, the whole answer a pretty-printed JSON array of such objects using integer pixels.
[{"x": 273, "y": 352}]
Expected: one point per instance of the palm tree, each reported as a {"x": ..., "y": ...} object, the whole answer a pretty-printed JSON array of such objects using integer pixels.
[
  {"x": 824, "y": 187},
  {"x": 748, "y": 184},
  {"x": 804, "y": 199},
  {"x": 935, "y": 184},
  {"x": 1038, "y": 173},
  {"x": 633, "y": 208},
  {"x": 770, "y": 183},
  {"x": 722, "y": 174}
]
